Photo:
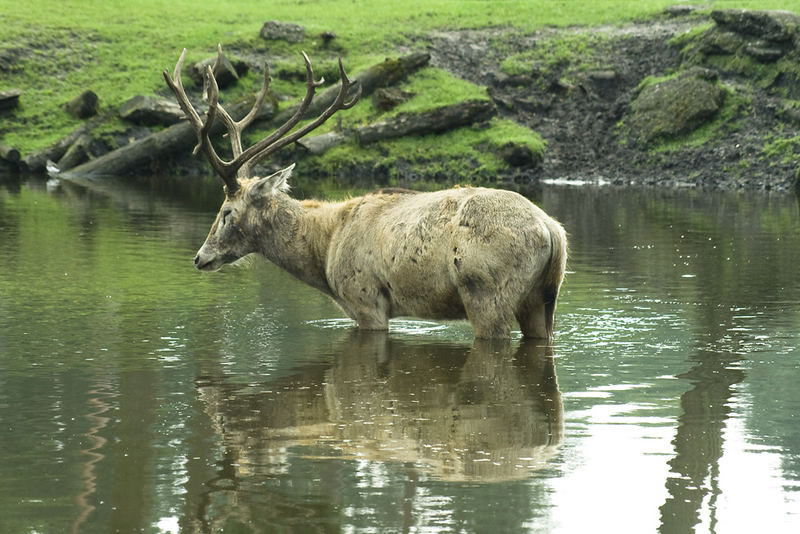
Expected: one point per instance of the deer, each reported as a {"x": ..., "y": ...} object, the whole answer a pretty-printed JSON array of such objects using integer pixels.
[{"x": 488, "y": 255}]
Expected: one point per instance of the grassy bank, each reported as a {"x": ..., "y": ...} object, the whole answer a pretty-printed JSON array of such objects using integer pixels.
[{"x": 52, "y": 50}]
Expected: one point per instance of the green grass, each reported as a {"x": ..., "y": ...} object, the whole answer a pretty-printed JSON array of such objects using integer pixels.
[
  {"x": 120, "y": 49},
  {"x": 786, "y": 148},
  {"x": 467, "y": 153},
  {"x": 568, "y": 52},
  {"x": 58, "y": 48}
]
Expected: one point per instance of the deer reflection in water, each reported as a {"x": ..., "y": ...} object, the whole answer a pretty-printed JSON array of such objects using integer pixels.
[{"x": 482, "y": 413}]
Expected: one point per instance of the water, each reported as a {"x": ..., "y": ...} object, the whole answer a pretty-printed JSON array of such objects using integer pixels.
[{"x": 137, "y": 395}]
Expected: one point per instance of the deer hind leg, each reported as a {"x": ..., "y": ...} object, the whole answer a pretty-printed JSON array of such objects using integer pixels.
[
  {"x": 533, "y": 316},
  {"x": 490, "y": 315}
]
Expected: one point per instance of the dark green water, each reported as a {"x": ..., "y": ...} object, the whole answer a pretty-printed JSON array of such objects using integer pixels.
[{"x": 137, "y": 395}]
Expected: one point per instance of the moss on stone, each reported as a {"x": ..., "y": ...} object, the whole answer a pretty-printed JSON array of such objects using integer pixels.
[{"x": 673, "y": 107}]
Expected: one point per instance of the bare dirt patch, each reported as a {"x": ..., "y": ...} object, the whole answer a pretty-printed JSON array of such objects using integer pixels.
[{"x": 579, "y": 103}]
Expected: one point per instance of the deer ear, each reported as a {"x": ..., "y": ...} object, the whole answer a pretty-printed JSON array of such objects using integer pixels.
[{"x": 273, "y": 183}]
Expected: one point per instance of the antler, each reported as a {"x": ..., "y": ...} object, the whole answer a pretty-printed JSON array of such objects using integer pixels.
[{"x": 243, "y": 160}]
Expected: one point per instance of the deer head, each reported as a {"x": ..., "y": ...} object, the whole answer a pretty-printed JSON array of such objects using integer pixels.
[{"x": 231, "y": 236}]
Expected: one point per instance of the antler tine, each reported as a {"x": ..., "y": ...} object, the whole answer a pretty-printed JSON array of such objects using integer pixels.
[
  {"x": 243, "y": 160},
  {"x": 337, "y": 104},
  {"x": 235, "y": 128},
  {"x": 275, "y": 141},
  {"x": 253, "y": 154},
  {"x": 176, "y": 86},
  {"x": 343, "y": 94},
  {"x": 201, "y": 127}
]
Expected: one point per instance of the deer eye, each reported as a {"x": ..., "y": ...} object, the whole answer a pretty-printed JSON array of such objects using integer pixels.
[{"x": 225, "y": 215}]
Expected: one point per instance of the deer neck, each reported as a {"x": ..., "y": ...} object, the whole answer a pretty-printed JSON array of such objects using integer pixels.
[{"x": 296, "y": 237}]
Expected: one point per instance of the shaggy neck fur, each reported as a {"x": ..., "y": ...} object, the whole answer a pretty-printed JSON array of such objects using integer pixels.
[{"x": 296, "y": 236}]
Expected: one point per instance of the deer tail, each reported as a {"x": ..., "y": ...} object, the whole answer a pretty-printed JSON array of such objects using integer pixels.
[{"x": 554, "y": 272}]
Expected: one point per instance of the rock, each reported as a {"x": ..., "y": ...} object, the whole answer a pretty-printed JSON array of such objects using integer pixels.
[
  {"x": 680, "y": 10},
  {"x": 672, "y": 108},
  {"x": 776, "y": 26},
  {"x": 83, "y": 106},
  {"x": 717, "y": 41},
  {"x": 604, "y": 82},
  {"x": 387, "y": 98},
  {"x": 151, "y": 111},
  {"x": 327, "y": 38},
  {"x": 501, "y": 79},
  {"x": 762, "y": 52},
  {"x": 560, "y": 87},
  {"x": 9, "y": 99},
  {"x": 226, "y": 74},
  {"x": 275, "y": 30},
  {"x": 703, "y": 73},
  {"x": 532, "y": 102},
  {"x": 791, "y": 114},
  {"x": 501, "y": 98},
  {"x": 518, "y": 155}
]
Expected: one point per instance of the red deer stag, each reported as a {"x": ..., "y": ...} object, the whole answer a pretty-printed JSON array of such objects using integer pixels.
[{"x": 488, "y": 255}]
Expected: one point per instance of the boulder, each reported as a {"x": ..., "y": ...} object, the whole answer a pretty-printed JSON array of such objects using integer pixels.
[
  {"x": 327, "y": 38},
  {"x": 387, "y": 98},
  {"x": 776, "y": 26},
  {"x": 518, "y": 155},
  {"x": 501, "y": 79},
  {"x": 9, "y": 99},
  {"x": 674, "y": 107},
  {"x": 719, "y": 42},
  {"x": 762, "y": 52},
  {"x": 151, "y": 111},
  {"x": 604, "y": 83},
  {"x": 532, "y": 102},
  {"x": 680, "y": 10},
  {"x": 83, "y": 106},
  {"x": 226, "y": 74},
  {"x": 275, "y": 30}
]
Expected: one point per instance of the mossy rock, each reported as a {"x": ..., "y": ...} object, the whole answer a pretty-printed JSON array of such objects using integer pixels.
[
  {"x": 717, "y": 41},
  {"x": 674, "y": 107},
  {"x": 760, "y": 46},
  {"x": 776, "y": 26}
]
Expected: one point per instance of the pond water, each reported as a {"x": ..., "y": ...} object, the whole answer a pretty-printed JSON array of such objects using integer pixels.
[{"x": 138, "y": 395}]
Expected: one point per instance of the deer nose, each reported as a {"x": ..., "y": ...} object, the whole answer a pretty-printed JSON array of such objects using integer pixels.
[{"x": 196, "y": 260}]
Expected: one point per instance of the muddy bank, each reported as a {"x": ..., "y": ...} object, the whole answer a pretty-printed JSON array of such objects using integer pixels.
[{"x": 578, "y": 88}]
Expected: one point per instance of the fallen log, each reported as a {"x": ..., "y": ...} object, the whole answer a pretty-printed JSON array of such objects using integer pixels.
[
  {"x": 35, "y": 162},
  {"x": 436, "y": 120},
  {"x": 9, "y": 154},
  {"x": 76, "y": 154},
  {"x": 319, "y": 144},
  {"x": 383, "y": 74},
  {"x": 179, "y": 137},
  {"x": 182, "y": 138}
]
